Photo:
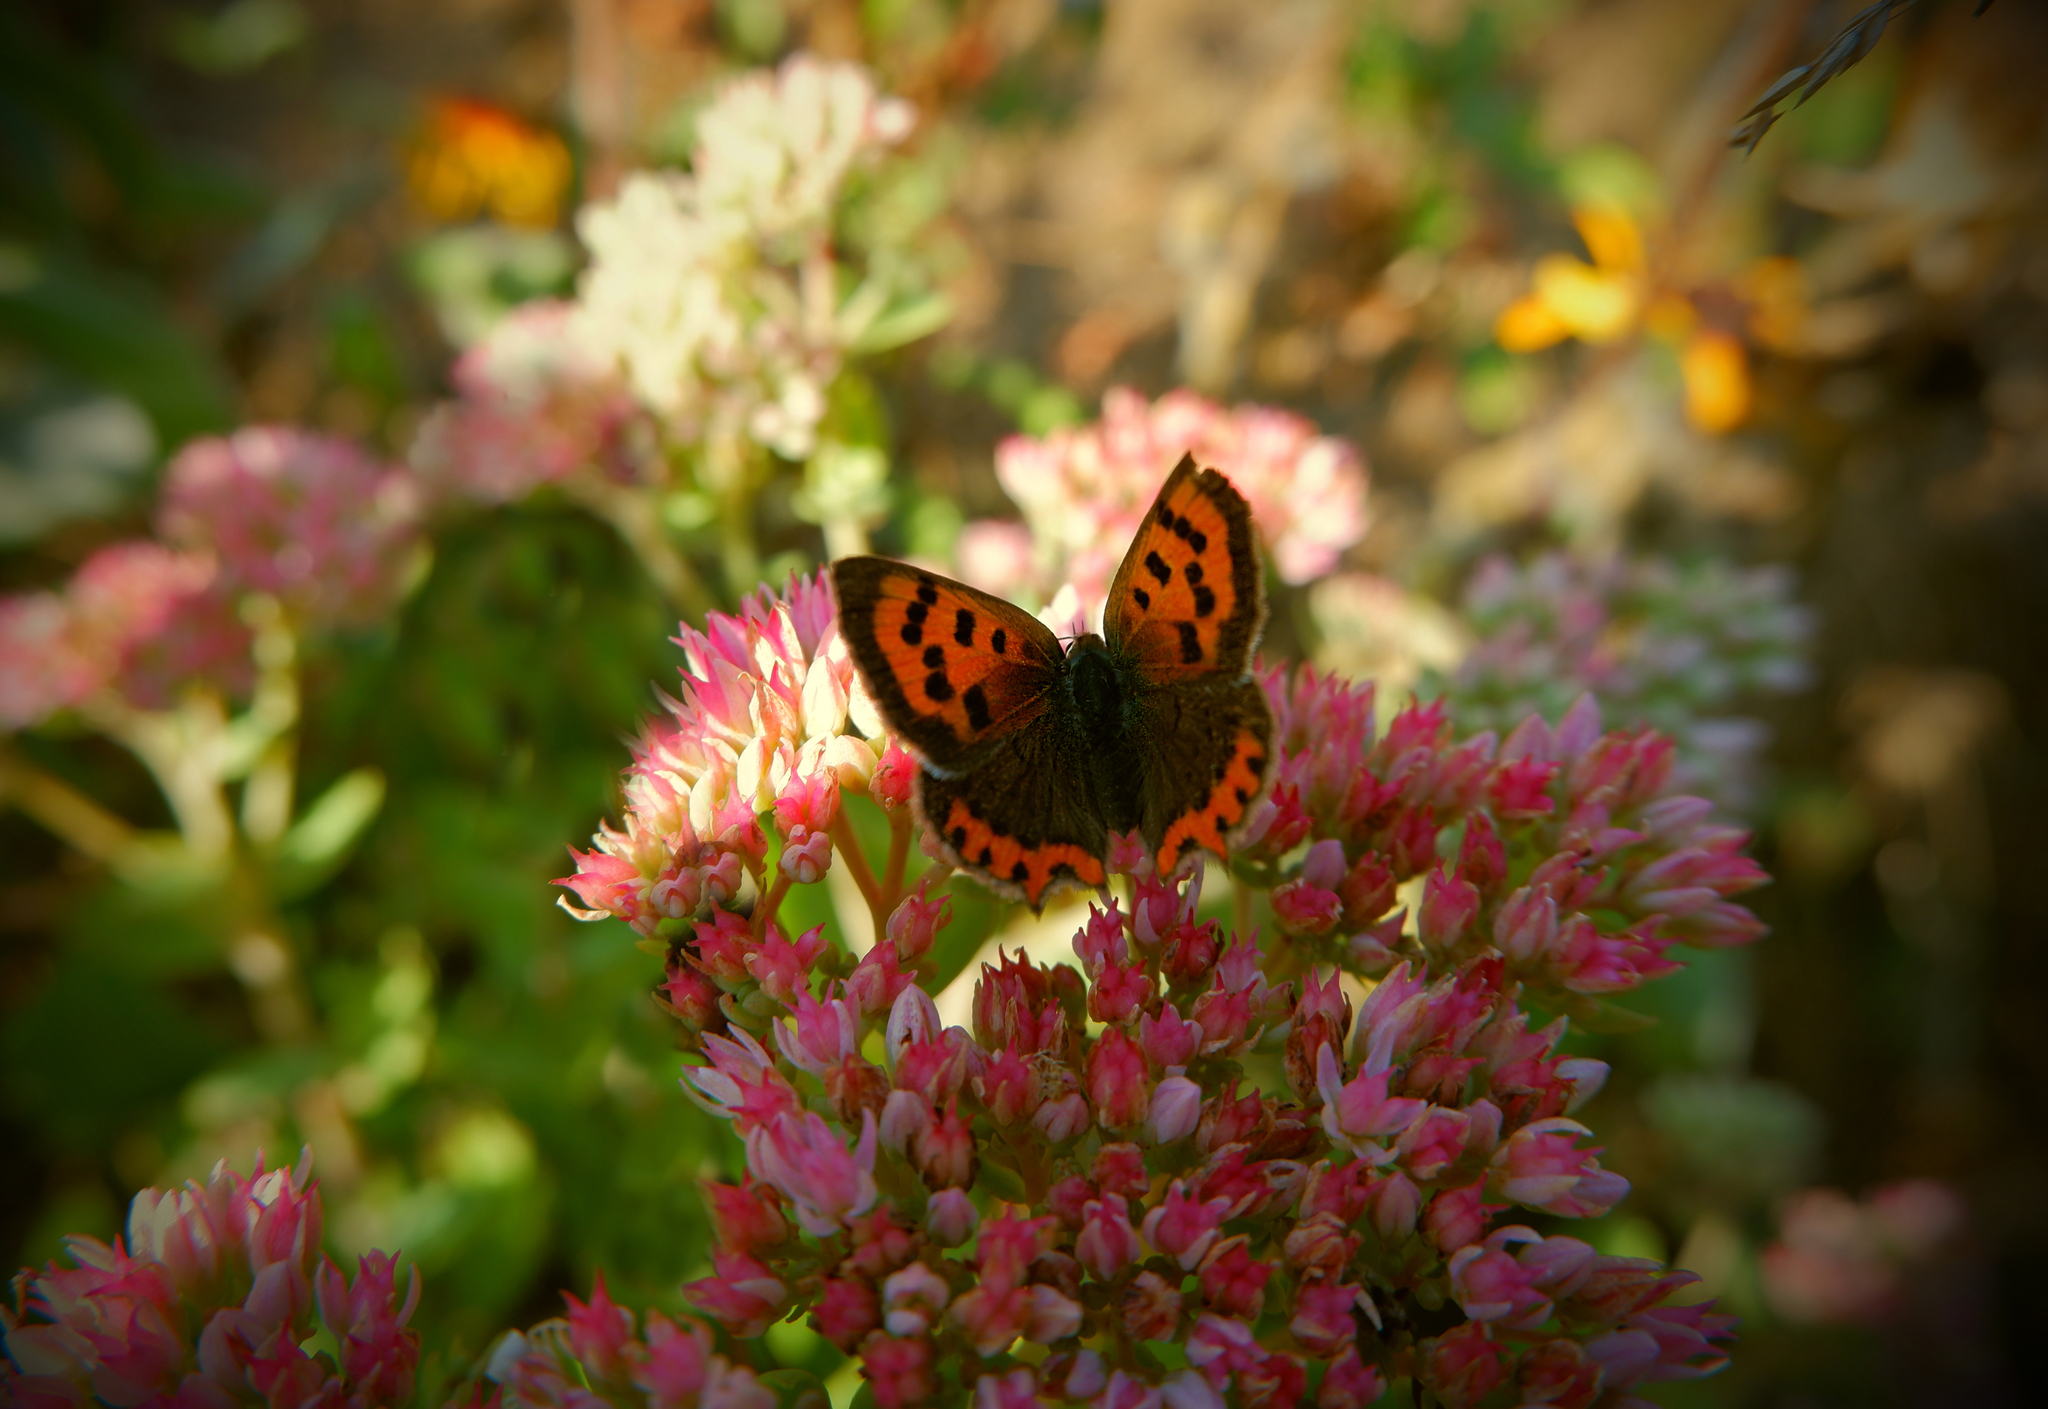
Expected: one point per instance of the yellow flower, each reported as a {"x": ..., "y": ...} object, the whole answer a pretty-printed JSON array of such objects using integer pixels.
[
  {"x": 472, "y": 157},
  {"x": 1718, "y": 391},
  {"x": 1599, "y": 302}
]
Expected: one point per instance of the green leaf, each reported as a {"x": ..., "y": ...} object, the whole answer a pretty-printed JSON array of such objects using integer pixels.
[
  {"x": 1001, "y": 1182},
  {"x": 115, "y": 332},
  {"x": 796, "y": 1389},
  {"x": 905, "y": 322},
  {"x": 321, "y": 839}
]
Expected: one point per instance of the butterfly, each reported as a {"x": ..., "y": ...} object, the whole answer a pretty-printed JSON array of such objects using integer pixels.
[{"x": 1033, "y": 755}]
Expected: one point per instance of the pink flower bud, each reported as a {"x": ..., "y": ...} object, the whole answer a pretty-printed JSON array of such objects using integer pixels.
[
  {"x": 1448, "y": 904},
  {"x": 1149, "y": 1308},
  {"x": 1176, "y": 1110},
  {"x": 746, "y": 1217},
  {"x": 1463, "y": 1366},
  {"x": 876, "y": 982},
  {"x": 915, "y": 921},
  {"x": 1303, "y": 908},
  {"x": 1184, "y": 1228},
  {"x": 1052, "y": 1316},
  {"x": 1118, "y": 993},
  {"x": 1558, "y": 1372},
  {"x": 1396, "y": 1204},
  {"x": 1016, "y": 1390},
  {"x": 1432, "y": 1142},
  {"x": 950, "y": 1217},
  {"x": 1349, "y": 1383},
  {"x": 1117, "y": 1081},
  {"x": 894, "y": 776},
  {"x": 1323, "y": 1322},
  {"x": 905, "y": 1116},
  {"x": 944, "y": 1151},
  {"x": 1061, "y": 1119},
  {"x": 912, "y": 1300},
  {"x": 1457, "y": 1217},
  {"x": 806, "y": 856},
  {"x": 810, "y": 803},
  {"x": 899, "y": 1371},
  {"x": 1107, "y": 1243},
  {"x": 846, "y": 1311},
  {"x": 1008, "y": 1087},
  {"x": 1233, "y": 1281},
  {"x": 1168, "y": 1040}
]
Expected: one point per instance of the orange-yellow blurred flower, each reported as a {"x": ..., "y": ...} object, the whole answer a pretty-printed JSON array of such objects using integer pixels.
[
  {"x": 1717, "y": 384},
  {"x": 1596, "y": 303},
  {"x": 471, "y": 157},
  {"x": 1614, "y": 297}
]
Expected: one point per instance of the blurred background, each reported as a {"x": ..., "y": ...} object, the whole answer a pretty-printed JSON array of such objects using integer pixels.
[{"x": 1751, "y": 445}]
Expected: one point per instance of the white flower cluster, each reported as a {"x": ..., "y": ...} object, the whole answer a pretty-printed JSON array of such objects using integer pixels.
[{"x": 716, "y": 293}]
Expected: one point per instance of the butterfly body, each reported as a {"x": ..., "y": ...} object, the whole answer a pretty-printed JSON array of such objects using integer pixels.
[{"x": 1035, "y": 754}]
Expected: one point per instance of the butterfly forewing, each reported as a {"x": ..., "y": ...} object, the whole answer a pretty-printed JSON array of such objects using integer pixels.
[
  {"x": 1188, "y": 600},
  {"x": 949, "y": 667}
]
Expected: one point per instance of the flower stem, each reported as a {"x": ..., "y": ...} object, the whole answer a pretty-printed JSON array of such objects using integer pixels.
[
  {"x": 764, "y": 913},
  {"x": 899, "y": 854},
  {"x": 633, "y": 515},
  {"x": 64, "y": 810},
  {"x": 841, "y": 832}
]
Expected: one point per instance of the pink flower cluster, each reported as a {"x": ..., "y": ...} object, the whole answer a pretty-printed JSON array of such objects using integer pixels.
[
  {"x": 1083, "y": 491},
  {"x": 1841, "y": 1261},
  {"x": 1088, "y": 1172},
  {"x": 211, "y": 1303},
  {"x": 310, "y": 519},
  {"x": 137, "y": 618},
  {"x": 760, "y": 729},
  {"x": 597, "y": 1355},
  {"x": 1674, "y": 647},
  {"x": 1185, "y": 1171},
  {"x": 534, "y": 405},
  {"x": 1558, "y": 853}
]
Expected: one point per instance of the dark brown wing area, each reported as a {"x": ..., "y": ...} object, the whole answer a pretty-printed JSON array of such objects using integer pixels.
[
  {"x": 1208, "y": 750},
  {"x": 1019, "y": 816}
]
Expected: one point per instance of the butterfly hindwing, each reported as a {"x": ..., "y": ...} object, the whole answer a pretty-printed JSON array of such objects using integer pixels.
[
  {"x": 949, "y": 667},
  {"x": 1020, "y": 818},
  {"x": 1207, "y": 749},
  {"x": 1189, "y": 599}
]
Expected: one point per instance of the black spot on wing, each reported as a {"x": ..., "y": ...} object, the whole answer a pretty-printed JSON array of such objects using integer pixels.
[
  {"x": 927, "y": 591},
  {"x": 998, "y": 640},
  {"x": 934, "y": 657},
  {"x": 938, "y": 687},
  {"x": 1156, "y": 565},
  {"x": 963, "y": 627},
  {"x": 917, "y": 612},
  {"x": 912, "y": 633},
  {"x": 1142, "y": 598},
  {"x": 977, "y": 707},
  {"x": 1190, "y": 644},
  {"x": 1019, "y": 871},
  {"x": 958, "y": 836},
  {"x": 1205, "y": 601},
  {"x": 1193, "y": 573},
  {"x": 987, "y": 855}
]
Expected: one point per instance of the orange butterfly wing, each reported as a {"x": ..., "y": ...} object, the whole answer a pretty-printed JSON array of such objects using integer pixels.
[
  {"x": 948, "y": 666},
  {"x": 1189, "y": 599},
  {"x": 1185, "y": 610},
  {"x": 967, "y": 681}
]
